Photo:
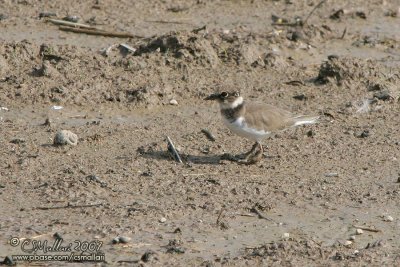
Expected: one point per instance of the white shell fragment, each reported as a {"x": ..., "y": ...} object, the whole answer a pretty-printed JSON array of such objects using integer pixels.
[{"x": 173, "y": 102}]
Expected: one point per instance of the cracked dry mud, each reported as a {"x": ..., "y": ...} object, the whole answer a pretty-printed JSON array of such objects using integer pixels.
[{"x": 299, "y": 206}]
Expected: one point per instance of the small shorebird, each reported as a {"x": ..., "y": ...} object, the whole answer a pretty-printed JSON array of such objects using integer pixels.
[{"x": 255, "y": 121}]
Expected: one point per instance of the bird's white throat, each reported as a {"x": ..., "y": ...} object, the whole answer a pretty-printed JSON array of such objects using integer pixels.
[{"x": 238, "y": 101}]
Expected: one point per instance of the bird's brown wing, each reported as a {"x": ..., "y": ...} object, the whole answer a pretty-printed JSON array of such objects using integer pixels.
[{"x": 266, "y": 117}]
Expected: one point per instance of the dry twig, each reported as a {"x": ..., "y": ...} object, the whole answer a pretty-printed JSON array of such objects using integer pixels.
[
  {"x": 260, "y": 214},
  {"x": 312, "y": 11},
  {"x": 94, "y": 31},
  {"x": 71, "y": 24},
  {"x": 173, "y": 151},
  {"x": 367, "y": 228}
]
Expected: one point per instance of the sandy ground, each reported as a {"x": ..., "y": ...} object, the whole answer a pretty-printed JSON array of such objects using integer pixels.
[{"x": 300, "y": 206}]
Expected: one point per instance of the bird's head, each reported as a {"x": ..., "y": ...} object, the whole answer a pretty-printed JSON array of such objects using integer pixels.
[{"x": 226, "y": 99}]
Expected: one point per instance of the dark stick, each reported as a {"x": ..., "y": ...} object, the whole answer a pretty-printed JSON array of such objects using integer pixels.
[
  {"x": 312, "y": 11},
  {"x": 208, "y": 134},
  {"x": 260, "y": 214},
  {"x": 367, "y": 228},
  {"x": 97, "y": 32},
  {"x": 199, "y": 29},
  {"x": 344, "y": 33},
  {"x": 219, "y": 216},
  {"x": 289, "y": 24}
]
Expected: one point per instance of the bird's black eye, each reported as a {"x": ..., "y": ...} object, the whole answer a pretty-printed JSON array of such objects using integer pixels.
[
  {"x": 224, "y": 94},
  {"x": 237, "y": 94}
]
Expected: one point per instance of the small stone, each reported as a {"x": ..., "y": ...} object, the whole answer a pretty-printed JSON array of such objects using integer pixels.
[
  {"x": 163, "y": 220},
  {"x": 300, "y": 97},
  {"x": 332, "y": 57},
  {"x": 383, "y": 95},
  {"x": 71, "y": 18},
  {"x": 148, "y": 256},
  {"x": 65, "y": 137},
  {"x": 57, "y": 235},
  {"x": 115, "y": 240},
  {"x": 57, "y": 107},
  {"x": 173, "y": 102},
  {"x": 356, "y": 252},
  {"x": 363, "y": 134},
  {"x": 47, "y": 122},
  {"x": 124, "y": 239},
  {"x": 389, "y": 218},
  {"x": 359, "y": 231},
  {"x": 285, "y": 235},
  {"x": 17, "y": 141},
  {"x": 348, "y": 243},
  {"x": 353, "y": 237}
]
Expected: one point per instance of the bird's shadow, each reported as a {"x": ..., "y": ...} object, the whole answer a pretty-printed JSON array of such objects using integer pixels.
[{"x": 186, "y": 158}]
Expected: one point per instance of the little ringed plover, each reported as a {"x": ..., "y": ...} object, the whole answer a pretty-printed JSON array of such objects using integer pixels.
[{"x": 255, "y": 121}]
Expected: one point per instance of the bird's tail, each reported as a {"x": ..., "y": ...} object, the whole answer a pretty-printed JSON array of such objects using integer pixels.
[{"x": 300, "y": 120}]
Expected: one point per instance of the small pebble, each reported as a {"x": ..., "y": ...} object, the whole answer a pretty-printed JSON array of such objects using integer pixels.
[
  {"x": 115, "y": 240},
  {"x": 389, "y": 218},
  {"x": 173, "y": 102},
  {"x": 359, "y": 231},
  {"x": 56, "y": 107},
  {"x": 71, "y": 18},
  {"x": 163, "y": 220},
  {"x": 363, "y": 134},
  {"x": 300, "y": 97},
  {"x": 352, "y": 237},
  {"x": 148, "y": 256},
  {"x": 383, "y": 95},
  {"x": 348, "y": 243},
  {"x": 65, "y": 137},
  {"x": 285, "y": 235},
  {"x": 57, "y": 235},
  {"x": 356, "y": 252},
  {"x": 47, "y": 122},
  {"x": 17, "y": 141},
  {"x": 124, "y": 239}
]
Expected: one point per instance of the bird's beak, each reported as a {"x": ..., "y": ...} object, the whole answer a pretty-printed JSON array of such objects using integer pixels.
[{"x": 212, "y": 97}]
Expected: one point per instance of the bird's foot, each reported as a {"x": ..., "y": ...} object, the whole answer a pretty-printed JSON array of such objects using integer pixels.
[
  {"x": 256, "y": 157},
  {"x": 253, "y": 156}
]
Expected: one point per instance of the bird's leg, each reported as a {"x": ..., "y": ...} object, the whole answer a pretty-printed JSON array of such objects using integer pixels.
[
  {"x": 257, "y": 156},
  {"x": 247, "y": 154}
]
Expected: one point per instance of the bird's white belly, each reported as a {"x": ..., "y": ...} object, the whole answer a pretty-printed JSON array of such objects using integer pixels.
[{"x": 240, "y": 128}]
